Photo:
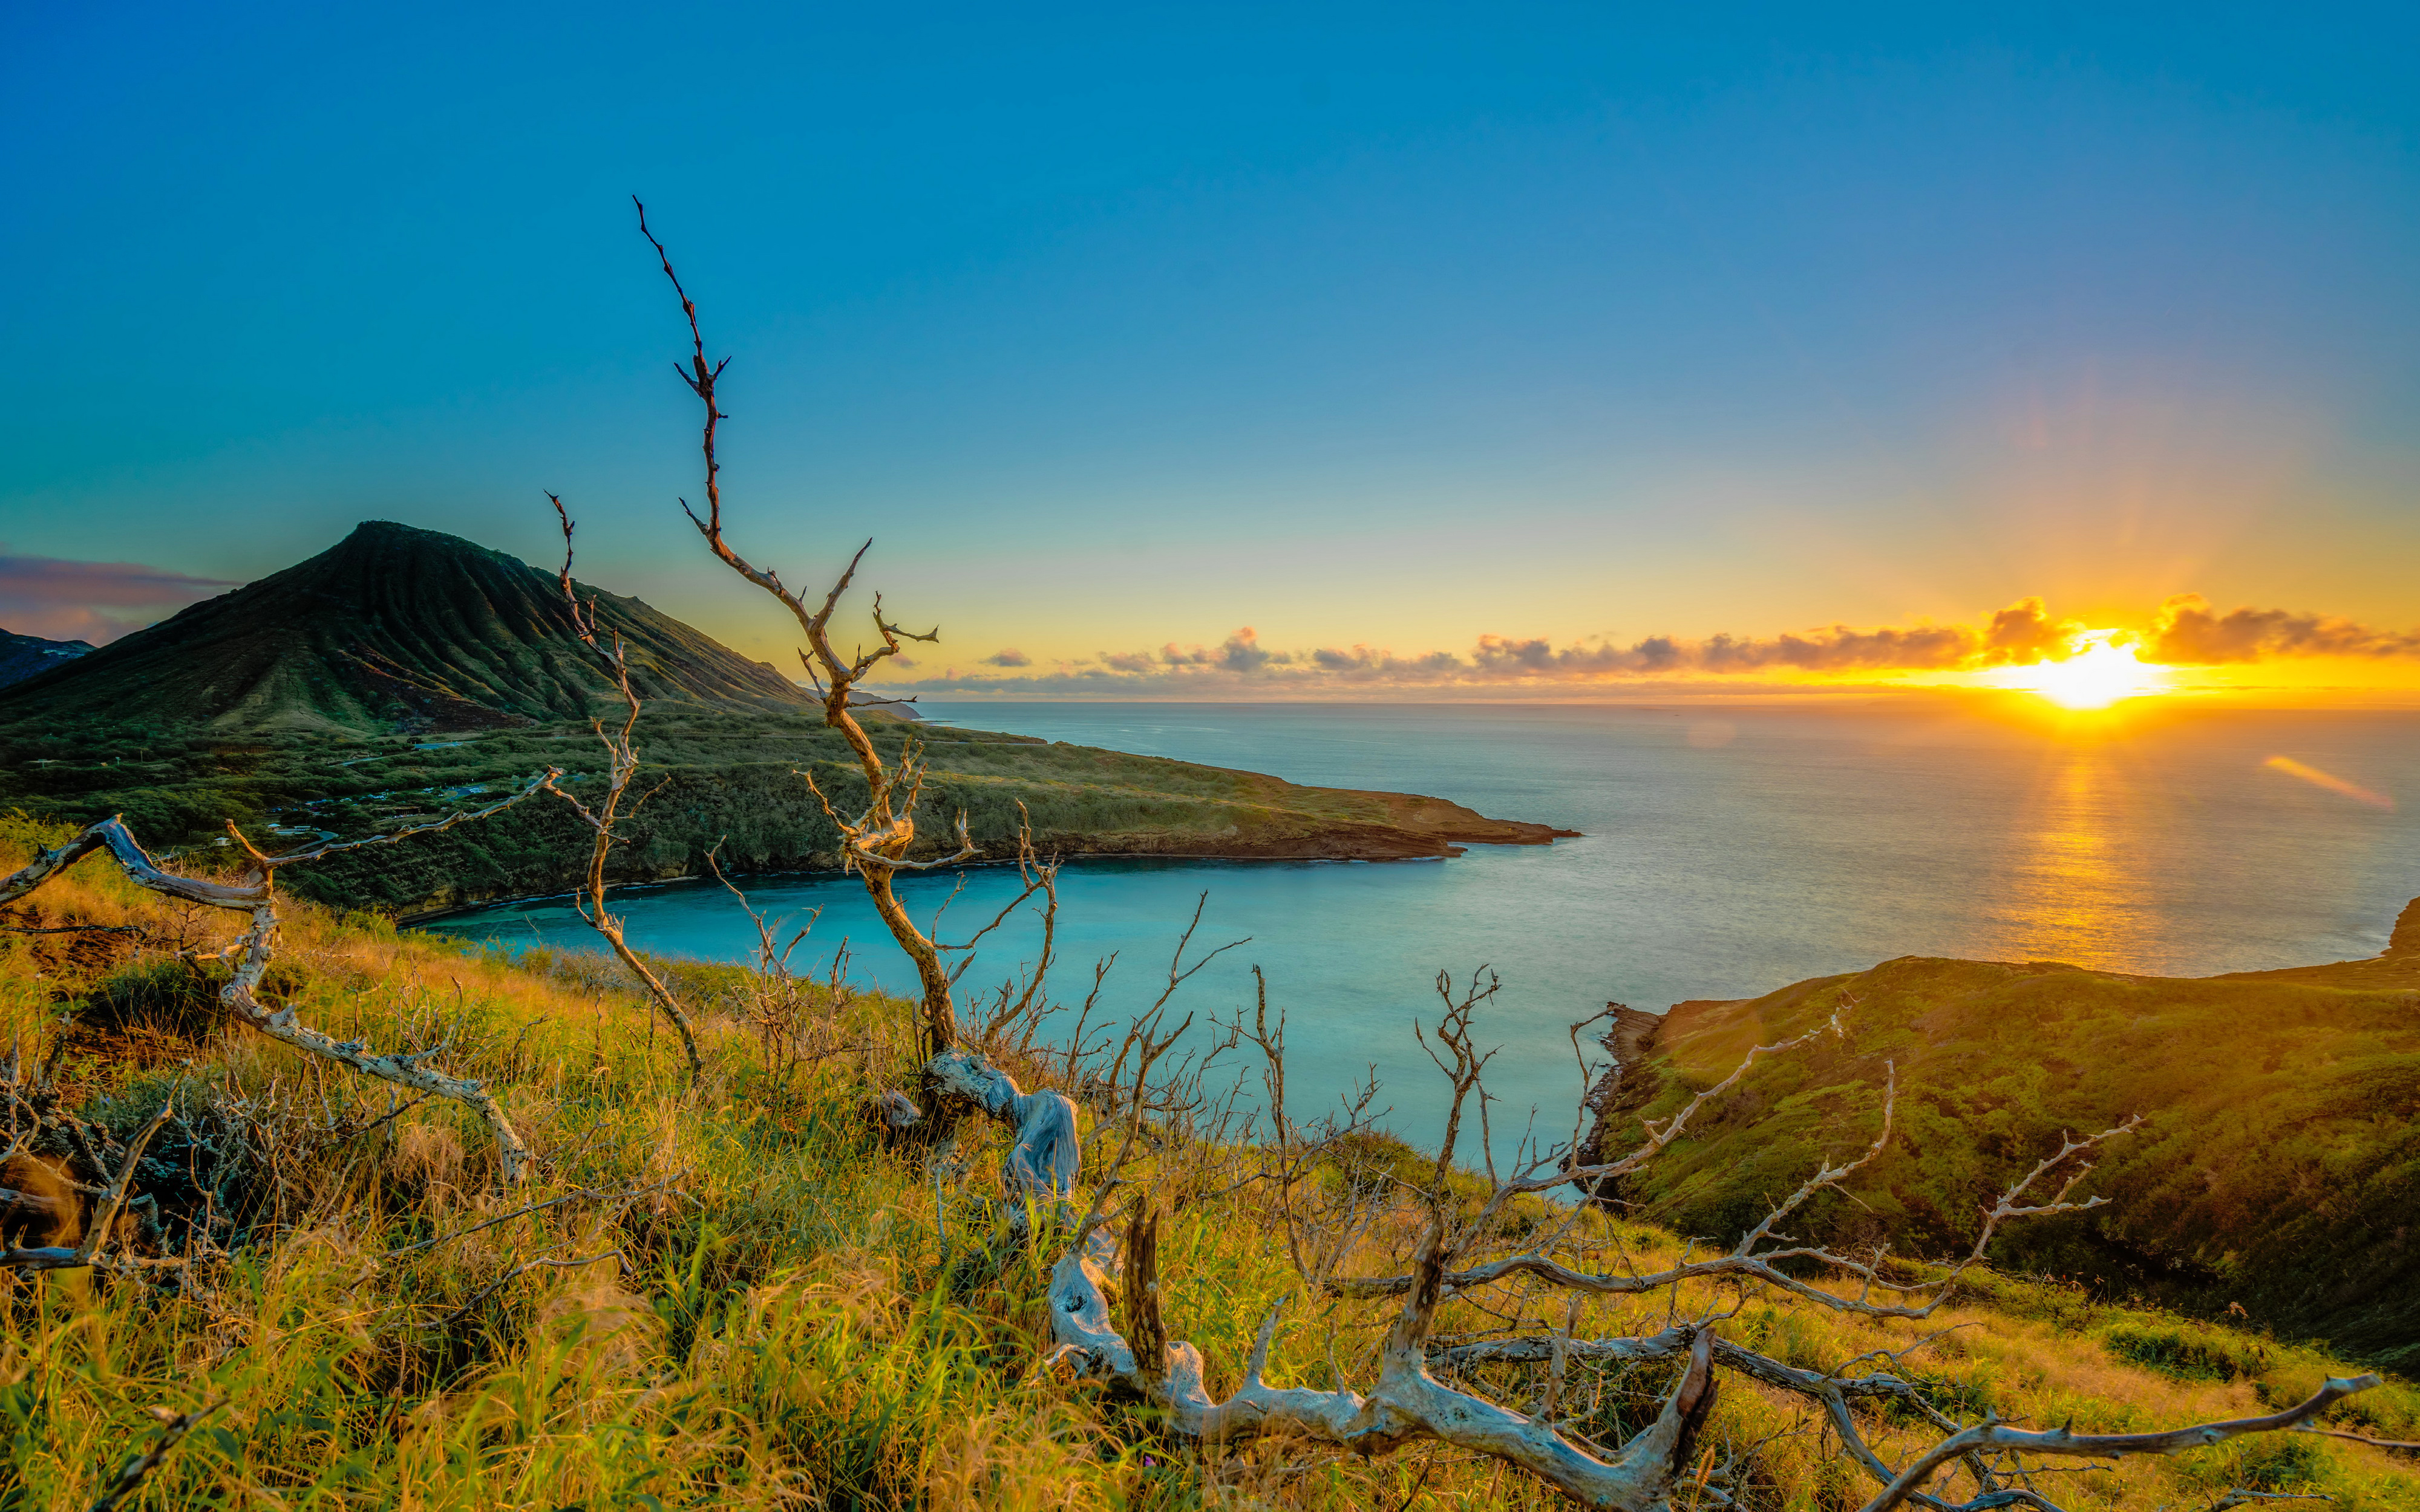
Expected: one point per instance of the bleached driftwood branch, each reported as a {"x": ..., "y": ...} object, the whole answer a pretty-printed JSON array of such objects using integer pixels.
[
  {"x": 2067, "y": 1443},
  {"x": 1046, "y": 1156},
  {"x": 252, "y": 951},
  {"x": 1408, "y": 1403},
  {"x": 1745, "y": 1260}
]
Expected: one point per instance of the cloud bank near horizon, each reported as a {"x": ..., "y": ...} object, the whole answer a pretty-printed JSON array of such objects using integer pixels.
[
  {"x": 65, "y": 600},
  {"x": 2188, "y": 633},
  {"x": 2185, "y": 632}
]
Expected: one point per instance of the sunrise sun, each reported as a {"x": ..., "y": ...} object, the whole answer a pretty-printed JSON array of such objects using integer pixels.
[{"x": 2099, "y": 674}]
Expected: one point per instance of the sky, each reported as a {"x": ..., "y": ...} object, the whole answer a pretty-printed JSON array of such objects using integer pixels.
[{"x": 1302, "y": 350}]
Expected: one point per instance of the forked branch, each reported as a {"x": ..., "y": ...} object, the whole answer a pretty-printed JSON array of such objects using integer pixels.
[
  {"x": 621, "y": 766},
  {"x": 252, "y": 952},
  {"x": 876, "y": 842}
]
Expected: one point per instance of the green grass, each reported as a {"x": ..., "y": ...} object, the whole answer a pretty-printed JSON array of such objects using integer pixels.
[
  {"x": 2277, "y": 1162},
  {"x": 779, "y": 1321},
  {"x": 724, "y": 778}
]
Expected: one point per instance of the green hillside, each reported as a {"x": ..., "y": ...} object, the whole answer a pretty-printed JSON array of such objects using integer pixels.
[
  {"x": 2277, "y": 1170},
  {"x": 391, "y": 628},
  {"x": 733, "y": 1295},
  {"x": 724, "y": 778},
  {"x": 404, "y": 673}
]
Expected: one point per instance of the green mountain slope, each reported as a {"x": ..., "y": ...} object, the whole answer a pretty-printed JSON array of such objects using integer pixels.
[
  {"x": 2279, "y": 1170},
  {"x": 392, "y": 629},
  {"x": 405, "y": 673}
]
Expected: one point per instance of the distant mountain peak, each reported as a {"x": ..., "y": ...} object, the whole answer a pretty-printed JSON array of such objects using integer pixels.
[
  {"x": 25, "y": 656},
  {"x": 394, "y": 628}
]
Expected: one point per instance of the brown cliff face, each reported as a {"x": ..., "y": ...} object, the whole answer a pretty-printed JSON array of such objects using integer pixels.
[
  {"x": 2406, "y": 938},
  {"x": 1630, "y": 1039}
]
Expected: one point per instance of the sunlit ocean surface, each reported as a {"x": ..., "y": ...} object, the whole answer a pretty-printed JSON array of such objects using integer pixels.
[{"x": 1726, "y": 854}]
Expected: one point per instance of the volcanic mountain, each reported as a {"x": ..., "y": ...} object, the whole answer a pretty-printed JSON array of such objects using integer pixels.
[{"x": 392, "y": 629}]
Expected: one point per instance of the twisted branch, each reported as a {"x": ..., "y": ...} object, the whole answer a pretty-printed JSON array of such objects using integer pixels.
[
  {"x": 252, "y": 952},
  {"x": 875, "y": 843},
  {"x": 622, "y": 765}
]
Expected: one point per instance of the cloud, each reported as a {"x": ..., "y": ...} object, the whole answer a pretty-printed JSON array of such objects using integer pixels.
[
  {"x": 2187, "y": 633},
  {"x": 1241, "y": 653},
  {"x": 1008, "y": 657},
  {"x": 63, "y": 600},
  {"x": 2023, "y": 634}
]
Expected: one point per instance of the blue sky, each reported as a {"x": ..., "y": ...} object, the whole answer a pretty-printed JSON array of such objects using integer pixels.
[{"x": 1120, "y": 328}]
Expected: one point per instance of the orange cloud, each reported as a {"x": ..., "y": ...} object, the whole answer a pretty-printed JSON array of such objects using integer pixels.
[
  {"x": 2187, "y": 634},
  {"x": 2024, "y": 634}
]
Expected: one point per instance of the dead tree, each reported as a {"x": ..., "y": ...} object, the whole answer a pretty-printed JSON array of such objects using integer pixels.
[
  {"x": 256, "y": 895},
  {"x": 1127, "y": 1347},
  {"x": 621, "y": 766},
  {"x": 877, "y": 841},
  {"x": 1407, "y": 1402}
]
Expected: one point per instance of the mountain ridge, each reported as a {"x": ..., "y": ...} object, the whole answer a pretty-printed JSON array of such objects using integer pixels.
[
  {"x": 393, "y": 628},
  {"x": 29, "y": 656}
]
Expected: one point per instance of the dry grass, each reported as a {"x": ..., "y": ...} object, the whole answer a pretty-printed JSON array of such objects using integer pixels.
[{"x": 768, "y": 1316}]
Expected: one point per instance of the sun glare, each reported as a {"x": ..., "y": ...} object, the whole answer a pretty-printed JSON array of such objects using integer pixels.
[{"x": 2095, "y": 677}]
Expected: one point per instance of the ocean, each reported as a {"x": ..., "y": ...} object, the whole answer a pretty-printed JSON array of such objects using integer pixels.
[{"x": 1725, "y": 852}]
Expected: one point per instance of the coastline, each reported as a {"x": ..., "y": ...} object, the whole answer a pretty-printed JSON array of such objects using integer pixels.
[{"x": 1243, "y": 854}]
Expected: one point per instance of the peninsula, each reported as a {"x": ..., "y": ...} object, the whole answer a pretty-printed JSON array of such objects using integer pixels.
[{"x": 404, "y": 673}]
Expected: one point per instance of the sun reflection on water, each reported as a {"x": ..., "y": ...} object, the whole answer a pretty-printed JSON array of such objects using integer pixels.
[{"x": 2078, "y": 881}]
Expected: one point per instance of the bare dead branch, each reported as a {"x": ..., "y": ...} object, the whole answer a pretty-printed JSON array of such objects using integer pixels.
[
  {"x": 515, "y": 1273},
  {"x": 2066, "y": 1442},
  {"x": 877, "y": 843},
  {"x": 98, "y": 1239},
  {"x": 583, "y": 1193},
  {"x": 2390, "y": 1445},
  {"x": 252, "y": 951},
  {"x": 171, "y": 1430},
  {"x": 622, "y": 765}
]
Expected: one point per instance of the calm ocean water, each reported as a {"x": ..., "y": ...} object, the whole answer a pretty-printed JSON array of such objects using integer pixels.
[{"x": 1726, "y": 854}]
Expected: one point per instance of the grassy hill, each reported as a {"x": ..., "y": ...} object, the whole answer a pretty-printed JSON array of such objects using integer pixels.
[
  {"x": 728, "y": 777},
  {"x": 2276, "y": 1173},
  {"x": 734, "y": 1298},
  {"x": 404, "y": 673},
  {"x": 391, "y": 628}
]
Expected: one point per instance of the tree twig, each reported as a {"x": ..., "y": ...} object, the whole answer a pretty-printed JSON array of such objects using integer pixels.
[{"x": 171, "y": 1430}]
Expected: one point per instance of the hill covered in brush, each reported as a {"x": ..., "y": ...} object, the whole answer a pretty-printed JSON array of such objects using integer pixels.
[
  {"x": 391, "y": 628},
  {"x": 405, "y": 673},
  {"x": 2275, "y": 1173},
  {"x": 734, "y": 1295}
]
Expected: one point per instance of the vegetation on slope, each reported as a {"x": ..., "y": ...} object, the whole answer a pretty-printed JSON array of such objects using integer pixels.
[
  {"x": 742, "y": 1300},
  {"x": 726, "y": 778},
  {"x": 2275, "y": 1175},
  {"x": 403, "y": 671},
  {"x": 391, "y": 628}
]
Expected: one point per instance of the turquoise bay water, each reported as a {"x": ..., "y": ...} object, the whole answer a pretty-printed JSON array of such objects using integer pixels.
[{"x": 1726, "y": 854}]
